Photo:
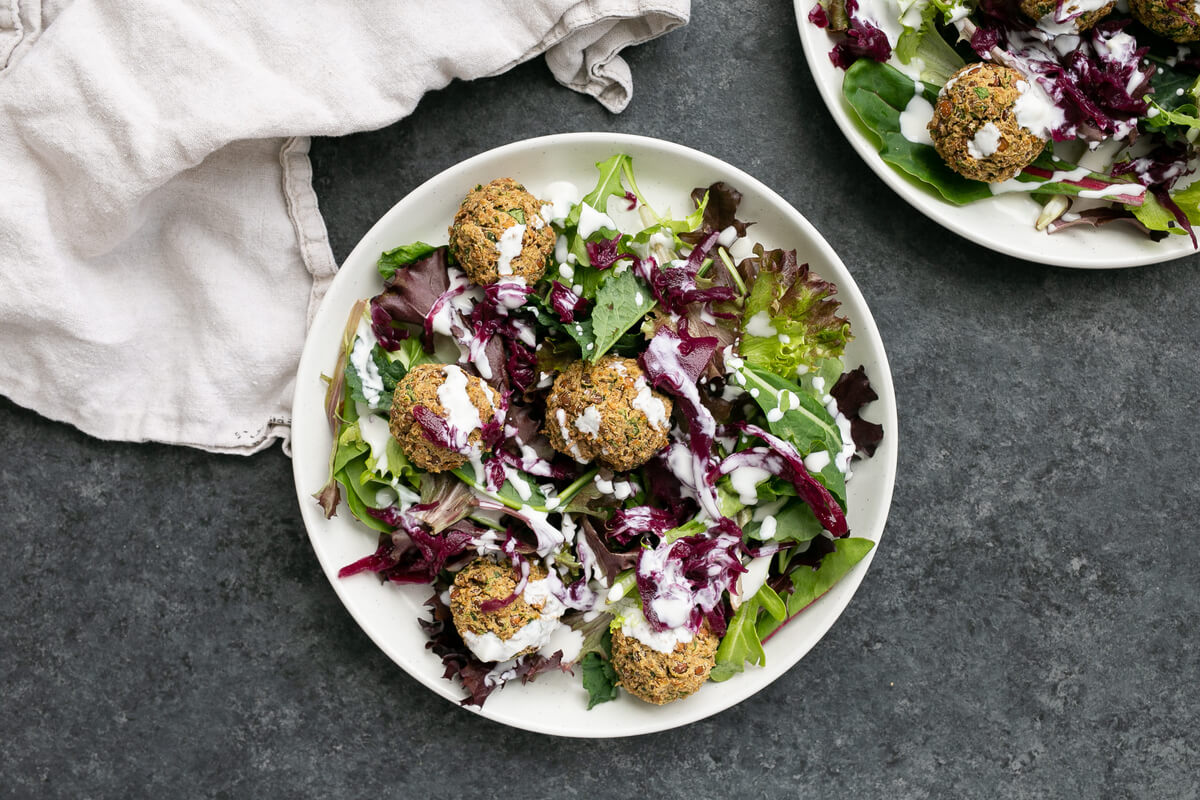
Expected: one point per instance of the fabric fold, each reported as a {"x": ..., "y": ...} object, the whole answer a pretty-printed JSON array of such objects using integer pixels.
[{"x": 161, "y": 244}]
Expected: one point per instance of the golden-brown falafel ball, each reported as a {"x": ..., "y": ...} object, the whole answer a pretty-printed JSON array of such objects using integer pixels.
[
  {"x": 1177, "y": 20},
  {"x": 483, "y": 580},
  {"x": 1037, "y": 9},
  {"x": 485, "y": 238},
  {"x": 975, "y": 127},
  {"x": 607, "y": 412},
  {"x": 420, "y": 387},
  {"x": 658, "y": 677}
]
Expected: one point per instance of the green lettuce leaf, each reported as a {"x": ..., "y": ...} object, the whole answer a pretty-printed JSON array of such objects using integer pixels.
[
  {"x": 797, "y": 309},
  {"x": 402, "y": 256}
]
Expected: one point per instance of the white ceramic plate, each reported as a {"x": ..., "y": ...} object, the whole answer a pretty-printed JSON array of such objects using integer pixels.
[
  {"x": 1004, "y": 223},
  {"x": 556, "y": 703}
]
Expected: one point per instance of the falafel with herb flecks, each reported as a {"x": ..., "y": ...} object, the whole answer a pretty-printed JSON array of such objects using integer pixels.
[
  {"x": 607, "y": 412},
  {"x": 520, "y": 627},
  {"x": 1178, "y": 20},
  {"x": 464, "y": 402},
  {"x": 658, "y": 677},
  {"x": 498, "y": 233},
  {"x": 1038, "y": 10},
  {"x": 975, "y": 126}
]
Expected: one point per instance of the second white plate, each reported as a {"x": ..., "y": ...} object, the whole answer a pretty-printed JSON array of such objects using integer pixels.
[{"x": 1005, "y": 223}]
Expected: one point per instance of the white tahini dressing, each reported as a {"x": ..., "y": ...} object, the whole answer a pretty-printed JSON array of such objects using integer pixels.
[
  {"x": 633, "y": 623},
  {"x": 368, "y": 371},
  {"x": 589, "y": 421},
  {"x": 745, "y": 481},
  {"x": 509, "y": 248},
  {"x": 1035, "y": 111},
  {"x": 914, "y": 120},
  {"x": 461, "y": 413},
  {"x": 559, "y": 197},
  {"x": 591, "y": 220},
  {"x": 760, "y": 325},
  {"x": 985, "y": 142},
  {"x": 645, "y": 402}
]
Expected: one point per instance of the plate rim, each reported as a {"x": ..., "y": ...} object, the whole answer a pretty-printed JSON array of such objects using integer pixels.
[
  {"x": 939, "y": 211},
  {"x": 866, "y": 329}
]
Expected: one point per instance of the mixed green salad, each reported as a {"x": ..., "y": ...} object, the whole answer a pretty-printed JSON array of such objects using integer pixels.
[
  {"x": 1092, "y": 103},
  {"x": 609, "y": 440}
]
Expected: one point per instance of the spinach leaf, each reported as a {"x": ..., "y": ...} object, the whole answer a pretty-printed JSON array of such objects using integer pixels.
[
  {"x": 620, "y": 303},
  {"x": 878, "y": 94},
  {"x": 402, "y": 256},
  {"x": 740, "y": 644},
  {"x": 808, "y": 584}
]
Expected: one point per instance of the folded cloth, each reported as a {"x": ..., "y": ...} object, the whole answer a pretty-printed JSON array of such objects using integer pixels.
[{"x": 161, "y": 250}]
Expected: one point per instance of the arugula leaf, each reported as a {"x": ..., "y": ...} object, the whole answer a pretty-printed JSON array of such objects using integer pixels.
[
  {"x": 609, "y": 184},
  {"x": 740, "y": 644},
  {"x": 402, "y": 256},
  {"x": 620, "y": 303},
  {"x": 808, "y": 584},
  {"x": 599, "y": 677}
]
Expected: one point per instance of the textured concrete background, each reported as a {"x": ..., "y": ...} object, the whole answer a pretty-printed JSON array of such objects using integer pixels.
[{"x": 1028, "y": 629}]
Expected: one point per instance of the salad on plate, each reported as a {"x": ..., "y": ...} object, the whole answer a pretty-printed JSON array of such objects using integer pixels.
[
  {"x": 610, "y": 441},
  {"x": 1089, "y": 107}
]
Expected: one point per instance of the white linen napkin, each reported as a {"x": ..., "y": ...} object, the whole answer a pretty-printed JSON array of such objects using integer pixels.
[{"x": 161, "y": 250}]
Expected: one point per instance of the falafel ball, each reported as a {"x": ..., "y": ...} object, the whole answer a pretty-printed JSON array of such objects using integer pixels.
[
  {"x": 499, "y": 232},
  {"x": 516, "y": 629},
  {"x": 608, "y": 413},
  {"x": 975, "y": 127},
  {"x": 1038, "y": 9},
  {"x": 658, "y": 677},
  {"x": 1178, "y": 20},
  {"x": 463, "y": 401}
]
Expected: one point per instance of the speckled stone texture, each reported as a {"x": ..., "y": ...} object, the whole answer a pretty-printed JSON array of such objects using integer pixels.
[{"x": 1027, "y": 631}]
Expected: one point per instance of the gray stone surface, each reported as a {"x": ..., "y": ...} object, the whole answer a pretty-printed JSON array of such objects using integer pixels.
[{"x": 1028, "y": 629}]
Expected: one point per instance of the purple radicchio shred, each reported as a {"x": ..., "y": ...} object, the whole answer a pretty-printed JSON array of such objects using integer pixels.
[
  {"x": 863, "y": 40},
  {"x": 520, "y": 365},
  {"x": 826, "y": 509},
  {"x": 1097, "y": 217},
  {"x": 677, "y": 287},
  {"x": 817, "y": 16},
  {"x": 628, "y": 524},
  {"x": 694, "y": 571},
  {"x": 440, "y": 432},
  {"x": 412, "y": 554},
  {"x": 674, "y": 361},
  {"x": 496, "y": 603},
  {"x": 603, "y": 254},
  {"x": 566, "y": 303},
  {"x": 853, "y": 391},
  {"x": 1160, "y": 170},
  {"x": 1100, "y": 87},
  {"x": 631, "y": 198},
  {"x": 408, "y": 297}
]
